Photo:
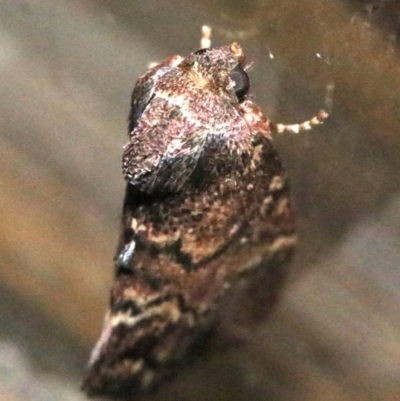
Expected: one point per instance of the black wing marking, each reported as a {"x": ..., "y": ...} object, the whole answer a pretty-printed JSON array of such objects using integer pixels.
[{"x": 141, "y": 97}]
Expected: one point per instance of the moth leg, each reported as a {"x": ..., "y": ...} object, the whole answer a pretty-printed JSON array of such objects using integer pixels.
[
  {"x": 205, "y": 42},
  {"x": 171, "y": 61}
]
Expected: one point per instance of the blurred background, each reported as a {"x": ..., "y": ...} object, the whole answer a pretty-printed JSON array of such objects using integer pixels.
[{"x": 67, "y": 69}]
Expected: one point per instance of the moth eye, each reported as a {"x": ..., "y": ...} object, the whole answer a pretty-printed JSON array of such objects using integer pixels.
[
  {"x": 202, "y": 51},
  {"x": 242, "y": 82}
]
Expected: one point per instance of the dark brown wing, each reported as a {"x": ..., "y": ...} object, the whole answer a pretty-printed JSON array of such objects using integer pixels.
[
  {"x": 189, "y": 249},
  {"x": 164, "y": 145}
]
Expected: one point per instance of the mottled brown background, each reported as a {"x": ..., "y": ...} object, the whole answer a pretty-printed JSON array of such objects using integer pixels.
[{"x": 66, "y": 72}]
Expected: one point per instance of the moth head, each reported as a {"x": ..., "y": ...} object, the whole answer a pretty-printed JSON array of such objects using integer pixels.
[{"x": 220, "y": 70}]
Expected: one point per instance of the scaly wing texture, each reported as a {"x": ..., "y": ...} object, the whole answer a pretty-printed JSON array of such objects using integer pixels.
[
  {"x": 207, "y": 203},
  {"x": 189, "y": 249},
  {"x": 165, "y": 142}
]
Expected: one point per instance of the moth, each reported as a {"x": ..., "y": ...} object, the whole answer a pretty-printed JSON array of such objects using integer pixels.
[{"x": 207, "y": 203}]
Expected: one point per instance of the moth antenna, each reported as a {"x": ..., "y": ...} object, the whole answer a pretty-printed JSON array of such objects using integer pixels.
[
  {"x": 309, "y": 124},
  {"x": 304, "y": 126},
  {"x": 205, "y": 42},
  {"x": 329, "y": 97}
]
